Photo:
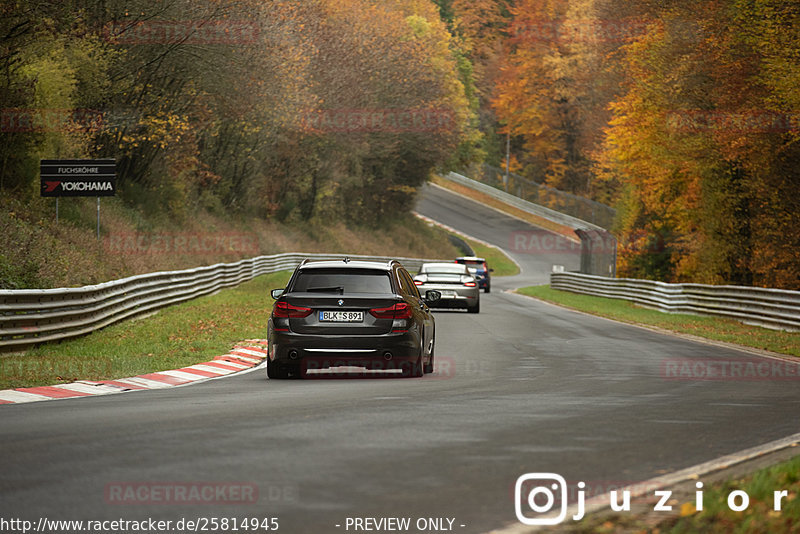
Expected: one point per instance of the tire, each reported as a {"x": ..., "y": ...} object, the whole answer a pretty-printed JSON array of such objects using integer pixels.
[
  {"x": 416, "y": 369},
  {"x": 475, "y": 309},
  {"x": 276, "y": 371},
  {"x": 487, "y": 289},
  {"x": 428, "y": 369}
]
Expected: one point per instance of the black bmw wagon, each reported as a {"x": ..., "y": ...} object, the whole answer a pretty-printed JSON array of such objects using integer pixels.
[{"x": 351, "y": 313}]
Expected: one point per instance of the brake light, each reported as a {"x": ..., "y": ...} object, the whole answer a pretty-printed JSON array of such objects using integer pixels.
[
  {"x": 288, "y": 311},
  {"x": 418, "y": 282},
  {"x": 401, "y": 310},
  {"x": 469, "y": 284}
]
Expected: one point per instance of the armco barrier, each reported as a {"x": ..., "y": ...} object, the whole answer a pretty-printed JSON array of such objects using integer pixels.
[
  {"x": 583, "y": 208},
  {"x": 598, "y": 246},
  {"x": 772, "y": 308},
  {"x": 29, "y": 316}
]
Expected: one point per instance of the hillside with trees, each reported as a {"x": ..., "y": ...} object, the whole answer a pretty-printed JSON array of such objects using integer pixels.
[
  {"x": 682, "y": 114},
  {"x": 304, "y": 113}
]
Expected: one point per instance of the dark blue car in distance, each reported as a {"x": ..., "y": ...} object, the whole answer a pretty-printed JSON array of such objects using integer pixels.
[{"x": 478, "y": 268}]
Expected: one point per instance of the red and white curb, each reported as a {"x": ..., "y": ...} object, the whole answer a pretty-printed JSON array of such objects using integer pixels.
[{"x": 242, "y": 357}]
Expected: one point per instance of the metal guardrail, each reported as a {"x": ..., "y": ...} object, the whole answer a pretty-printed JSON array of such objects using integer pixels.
[
  {"x": 771, "y": 308},
  {"x": 577, "y": 206},
  {"x": 598, "y": 246},
  {"x": 30, "y": 316},
  {"x": 530, "y": 207}
]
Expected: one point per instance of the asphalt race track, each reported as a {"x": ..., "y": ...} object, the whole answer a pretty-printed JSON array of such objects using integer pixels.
[{"x": 521, "y": 387}]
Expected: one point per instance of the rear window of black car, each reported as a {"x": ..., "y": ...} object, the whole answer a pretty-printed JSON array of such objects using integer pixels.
[{"x": 343, "y": 281}]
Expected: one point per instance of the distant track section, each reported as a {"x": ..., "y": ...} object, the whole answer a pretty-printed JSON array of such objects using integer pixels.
[{"x": 599, "y": 247}]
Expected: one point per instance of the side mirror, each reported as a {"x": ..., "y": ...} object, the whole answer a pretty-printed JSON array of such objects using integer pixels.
[
  {"x": 276, "y": 293},
  {"x": 491, "y": 270},
  {"x": 432, "y": 295}
]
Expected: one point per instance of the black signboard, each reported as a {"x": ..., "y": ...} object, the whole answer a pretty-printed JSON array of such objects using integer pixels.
[{"x": 78, "y": 177}]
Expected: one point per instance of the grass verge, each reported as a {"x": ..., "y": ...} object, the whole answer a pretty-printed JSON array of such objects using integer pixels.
[
  {"x": 175, "y": 337},
  {"x": 716, "y": 516},
  {"x": 715, "y": 328},
  {"x": 760, "y": 515}
]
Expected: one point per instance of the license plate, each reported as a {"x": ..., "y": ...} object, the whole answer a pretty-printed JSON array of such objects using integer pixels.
[
  {"x": 448, "y": 294},
  {"x": 341, "y": 316}
]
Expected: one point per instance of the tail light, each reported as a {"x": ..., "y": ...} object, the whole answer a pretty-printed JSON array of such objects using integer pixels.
[
  {"x": 470, "y": 284},
  {"x": 401, "y": 310},
  {"x": 286, "y": 310},
  {"x": 418, "y": 282}
]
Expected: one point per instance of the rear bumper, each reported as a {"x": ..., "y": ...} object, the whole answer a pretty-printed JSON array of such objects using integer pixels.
[
  {"x": 455, "y": 303},
  {"x": 312, "y": 351},
  {"x": 464, "y": 298}
]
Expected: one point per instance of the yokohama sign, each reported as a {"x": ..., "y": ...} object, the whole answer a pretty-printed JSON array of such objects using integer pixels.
[{"x": 78, "y": 178}]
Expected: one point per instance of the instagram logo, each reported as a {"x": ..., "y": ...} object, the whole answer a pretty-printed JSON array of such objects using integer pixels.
[
  {"x": 540, "y": 499},
  {"x": 542, "y": 492}
]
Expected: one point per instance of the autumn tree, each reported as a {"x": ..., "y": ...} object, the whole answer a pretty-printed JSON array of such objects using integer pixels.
[
  {"x": 704, "y": 144},
  {"x": 206, "y": 105}
]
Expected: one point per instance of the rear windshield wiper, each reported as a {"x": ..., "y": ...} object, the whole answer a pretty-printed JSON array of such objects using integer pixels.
[{"x": 333, "y": 289}]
